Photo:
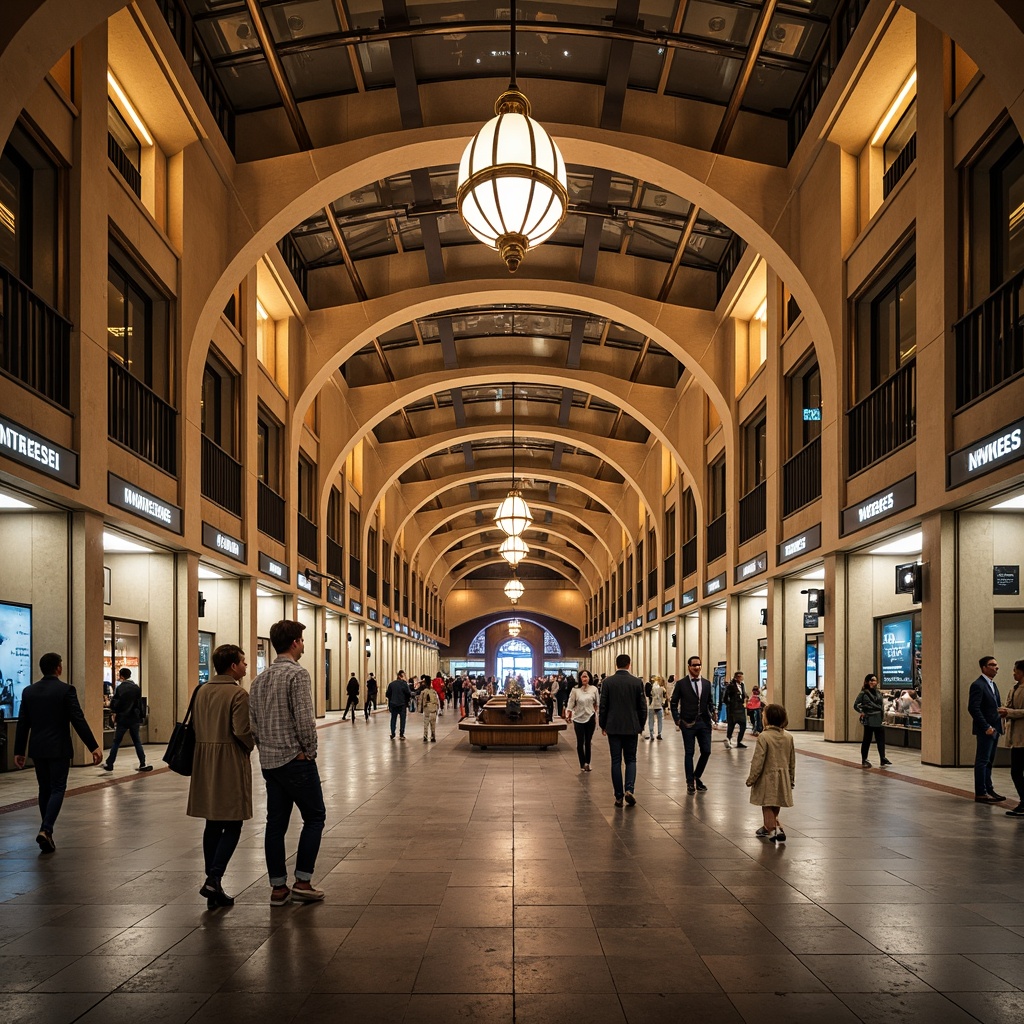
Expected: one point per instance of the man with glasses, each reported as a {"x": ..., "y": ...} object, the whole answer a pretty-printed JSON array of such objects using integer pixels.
[
  {"x": 691, "y": 711},
  {"x": 983, "y": 707}
]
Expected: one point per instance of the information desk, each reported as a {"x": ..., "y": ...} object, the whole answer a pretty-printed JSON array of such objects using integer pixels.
[{"x": 493, "y": 727}]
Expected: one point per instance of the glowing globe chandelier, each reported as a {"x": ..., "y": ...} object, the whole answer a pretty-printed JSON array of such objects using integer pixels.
[
  {"x": 513, "y": 515},
  {"x": 513, "y": 550},
  {"x": 514, "y": 589},
  {"x": 512, "y": 193},
  {"x": 515, "y": 627}
]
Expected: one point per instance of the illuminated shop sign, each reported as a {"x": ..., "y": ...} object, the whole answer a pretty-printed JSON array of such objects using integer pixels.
[
  {"x": 715, "y": 585},
  {"x": 32, "y": 450},
  {"x": 271, "y": 567},
  {"x": 880, "y": 506},
  {"x": 652, "y": 614},
  {"x": 989, "y": 453},
  {"x": 794, "y": 547},
  {"x": 121, "y": 494},
  {"x": 689, "y": 597},
  {"x": 355, "y": 607},
  {"x": 754, "y": 567},
  {"x": 308, "y": 584},
  {"x": 372, "y": 612},
  {"x": 224, "y": 543},
  {"x": 668, "y": 608},
  {"x": 336, "y": 595},
  {"x": 387, "y": 621},
  {"x": 812, "y": 415}
]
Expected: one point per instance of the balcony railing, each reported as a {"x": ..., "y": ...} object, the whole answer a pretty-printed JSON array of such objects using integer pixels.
[
  {"x": 296, "y": 265},
  {"x": 900, "y": 166},
  {"x": 140, "y": 419},
  {"x": 652, "y": 584},
  {"x": 385, "y": 592},
  {"x": 221, "y": 477},
  {"x": 753, "y": 512},
  {"x": 179, "y": 20},
  {"x": 689, "y": 558},
  {"x": 716, "y": 538},
  {"x": 307, "y": 541},
  {"x": 371, "y": 584},
  {"x": 801, "y": 478},
  {"x": 885, "y": 419},
  {"x": 35, "y": 341},
  {"x": 990, "y": 342},
  {"x": 355, "y": 572},
  {"x": 269, "y": 512},
  {"x": 335, "y": 559},
  {"x": 729, "y": 262},
  {"x": 127, "y": 170},
  {"x": 833, "y": 46},
  {"x": 669, "y": 571}
]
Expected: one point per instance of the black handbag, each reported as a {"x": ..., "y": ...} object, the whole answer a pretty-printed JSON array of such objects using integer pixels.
[{"x": 181, "y": 748}]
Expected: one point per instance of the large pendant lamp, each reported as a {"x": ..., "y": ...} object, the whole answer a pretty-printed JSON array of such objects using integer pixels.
[
  {"x": 515, "y": 627},
  {"x": 512, "y": 192},
  {"x": 514, "y": 589},
  {"x": 513, "y": 550},
  {"x": 513, "y": 516}
]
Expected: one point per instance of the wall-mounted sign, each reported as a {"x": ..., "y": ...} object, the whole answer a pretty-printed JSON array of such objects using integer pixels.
[
  {"x": 356, "y": 607},
  {"x": 387, "y": 621},
  {"x": 880, "y": 506},
  {"x": 715, "y": 585},
  {"x": 896, "y": 659},
  {"x": 336, "y": 595},
  {"x": 794, "y": 547},
  {"x": 372, "y": 612},
  {"x": 32, "y": 450},
  {"x": 810, "y": 620},
  {"x": 271, "y": 567},
  {"x": 986, "y": 454},
  {"x": 652, "y": 614},
  {"x": 224, "y": 543},
  {"x": 405, "y": 629},
  {"x": 689, "y": 597},
  {"x": 668, "y": 608},
  {"x": 754, "y": 567},
  {"x": 812, "y": 415},
  {"x": 1006, "y": 580},
  {"x": 309, "y": 584},
  {"x": 138, "y": 502}
]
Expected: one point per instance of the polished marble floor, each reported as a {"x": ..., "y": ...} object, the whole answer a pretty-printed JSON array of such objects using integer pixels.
[{"x": 498, "y": 886}]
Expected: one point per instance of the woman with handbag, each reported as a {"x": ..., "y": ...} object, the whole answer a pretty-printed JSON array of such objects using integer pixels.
[
  {"x": 221, "y": 783},
  {"x": 870, "y": 706}
]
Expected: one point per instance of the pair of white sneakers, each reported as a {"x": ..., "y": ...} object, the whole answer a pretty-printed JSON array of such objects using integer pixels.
[{"x": 773, "y": 835}]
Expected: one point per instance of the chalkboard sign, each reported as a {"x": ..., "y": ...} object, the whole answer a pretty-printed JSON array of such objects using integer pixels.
[
  {"x": 811, "y": 620},
  {"x": 1006, "y": 579}
]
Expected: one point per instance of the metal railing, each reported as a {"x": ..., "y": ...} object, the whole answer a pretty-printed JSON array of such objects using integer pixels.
[
  {"x": 179, "y": 21},
  {"x": 884, "y": 420},
  {"x": 221, "y": 477},
  {"x": 269, "y": 512},
  {"x": 689, "y": 558},
  {"x": 990, "y": 342},
  {"x": 35, "y": 341},
  {"x": 355, "y": 572},
  {"x": 754, "y": 512},
  {"x": 385, "y": 592},
  {"x": 668, "y": 572},
  {"x": 127, "y": 170},
  {"x": 371, "y": 584},
  {"x": 716, "y": 538},
  {"x": 335, "y": 559},
  {"x": 652, "y": 584},
  {"x": 900, "y": 166},
  {"x": 295, "y": 263},
  {"x": 140, "y": 419},
  {"x": 729, "y": 262},
  {"x": 801, "y": 478},
  {"x": 841, "y": 28},
  {"x": 307, "y": 540}
]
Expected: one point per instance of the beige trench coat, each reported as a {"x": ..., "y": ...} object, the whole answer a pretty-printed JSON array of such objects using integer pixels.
[
  {"x": 1013, "y": 724},
  {"x": 773, "y": 769},
  {"x": 221, "y": 783}
]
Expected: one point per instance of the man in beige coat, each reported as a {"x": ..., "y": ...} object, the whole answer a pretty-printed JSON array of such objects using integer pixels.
[{"x": 429, "y": 705}]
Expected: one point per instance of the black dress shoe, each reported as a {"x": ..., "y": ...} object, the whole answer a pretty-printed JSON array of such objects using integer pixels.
[
  {"x": 1016, "y": 812},
  {"x": 996, "y": 797},
  {"x": 690, "y": 788},
  {"x": 618, "y": 803},
  {"x": 215, "y": 895},
  {"x": 700, "y": 786},
  {"x": 985, "y": 799}
]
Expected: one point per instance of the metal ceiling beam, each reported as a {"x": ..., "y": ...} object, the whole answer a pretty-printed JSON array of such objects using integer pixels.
[
  {"x": 277, "y": 72},
  {"x": 620, "y": 56},
  {"x": 732, "y": 109},
  {"x": 677, "y": 259},
  {"x": 353, "y": 59},
  {"x": 346, "y": 257},
  {"x": 576, "y": 335},
  {"x": 670, "y": 54}
]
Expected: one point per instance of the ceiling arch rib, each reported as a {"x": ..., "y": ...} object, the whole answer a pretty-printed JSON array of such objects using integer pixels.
[{"x": 460, "y": 575}]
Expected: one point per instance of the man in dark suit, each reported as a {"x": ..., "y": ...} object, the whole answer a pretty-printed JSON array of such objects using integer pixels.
[
  {"x": 126, "y": 714},
  {"x": 622, "y": 715},
  {"x": 691, "y": 711},
  {"x": 48, "y": 708},
  {"x": 983, "y": 707}
]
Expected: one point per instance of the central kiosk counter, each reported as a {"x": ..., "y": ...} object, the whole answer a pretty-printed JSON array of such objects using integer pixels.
[{"x": 501, "y": 723}]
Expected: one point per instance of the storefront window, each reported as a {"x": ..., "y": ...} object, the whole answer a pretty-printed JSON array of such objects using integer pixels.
[
  {"x": 815, "y": 676},
  {"x": 206, "y": 642},
  {"x": 122, "y": 648}
]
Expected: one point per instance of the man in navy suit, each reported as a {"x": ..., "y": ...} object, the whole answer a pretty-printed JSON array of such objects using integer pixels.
[
  {"x": 48, "y": 708},
  {"x": 987, "y": 726},
  {"x": 691, "y": 711}
]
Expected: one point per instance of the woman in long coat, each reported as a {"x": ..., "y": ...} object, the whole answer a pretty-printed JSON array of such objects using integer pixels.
[{"x": 221, "y": 784}]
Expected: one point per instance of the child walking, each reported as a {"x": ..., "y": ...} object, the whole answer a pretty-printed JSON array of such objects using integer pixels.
[{"x": 773, "y": 772}]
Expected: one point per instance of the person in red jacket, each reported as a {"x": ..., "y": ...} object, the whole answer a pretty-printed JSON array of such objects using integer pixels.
[{"x": 438, "y": 685}]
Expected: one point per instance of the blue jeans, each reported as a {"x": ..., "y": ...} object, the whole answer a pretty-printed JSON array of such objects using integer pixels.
[
  {"x": 132, "y": 728},
  {"x": 652, "y": 714},
  {"x": 296, "y": 784},
  {"x": 983, "y": 758},
  {"x": 397, "y": 713},
  {"x": 52, "y": 776},
  {"x": 623, "y": 745},
  {"x": 700, "y": 734}
]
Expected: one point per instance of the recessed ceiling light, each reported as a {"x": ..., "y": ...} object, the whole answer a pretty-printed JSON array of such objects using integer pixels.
[
  {"x": 206, "y": 573},
  {"x": 763, "y": 592},
  {"x": 263, "y": 592},
  {"x": 117, "y": 543},
  {"x": 908, "y": 544},
  {"x": 1011, "y": 503},
  {"x": 8, "y": 501},
  {"x": 814, "y": 574}
]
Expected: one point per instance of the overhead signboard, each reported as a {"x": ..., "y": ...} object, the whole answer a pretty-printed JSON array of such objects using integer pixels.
[
  {"x": 794, "y": 547},
  {"x": 223, "y": 543},
  {"x": 987, "y": 454},
  {"x": 37, "y": 452},
  {"x": 879, "y": 506},
  {"x": 271, "y": 567},
  {"x": 127, "y": 496},
  {"x": 757, "y": 565}
]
